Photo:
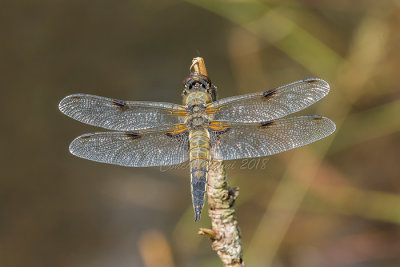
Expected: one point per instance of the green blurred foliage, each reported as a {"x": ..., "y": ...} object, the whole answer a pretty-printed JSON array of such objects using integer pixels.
[{"x": 334, "y": 203}]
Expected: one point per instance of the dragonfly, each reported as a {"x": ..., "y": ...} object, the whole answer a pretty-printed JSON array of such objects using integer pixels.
[{"x": 202, "y": 129}]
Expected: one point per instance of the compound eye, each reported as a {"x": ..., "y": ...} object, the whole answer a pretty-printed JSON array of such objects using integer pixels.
[
  {"x": 205, "y": 79},
  {"x": 187, "y": 81}
]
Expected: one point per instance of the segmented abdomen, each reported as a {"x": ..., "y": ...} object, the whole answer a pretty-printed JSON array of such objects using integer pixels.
[{"x": 199, "y": 160}]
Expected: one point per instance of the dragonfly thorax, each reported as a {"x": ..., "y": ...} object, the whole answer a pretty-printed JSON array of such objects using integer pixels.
[
  {"x": 197, "y": 116},
  {"x": 196, "y": 122}
]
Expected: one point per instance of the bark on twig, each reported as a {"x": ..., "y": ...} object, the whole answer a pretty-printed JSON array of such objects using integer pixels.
[{"x": 225, "y": 232}]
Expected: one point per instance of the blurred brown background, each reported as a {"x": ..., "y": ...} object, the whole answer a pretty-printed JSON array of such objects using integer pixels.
[{"x": 333, "y": 203}]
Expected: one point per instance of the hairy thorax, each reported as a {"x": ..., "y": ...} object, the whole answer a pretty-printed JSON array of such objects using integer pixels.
[{"x": 196, "y": 108}]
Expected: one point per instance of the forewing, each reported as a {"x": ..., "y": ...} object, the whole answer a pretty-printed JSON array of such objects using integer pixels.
[
  {"x": 249, "y": 140},
  {"x": 120, "y": 115},
  {"x": 270, "y": 105},
  {"x": 133, "y": 149}
]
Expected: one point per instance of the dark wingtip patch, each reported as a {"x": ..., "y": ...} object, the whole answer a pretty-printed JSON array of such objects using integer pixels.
[
  {"x": 120, "y": 104},
  {"x": 85, "y": 136},
  {"x": 132, "y": 135},
  {"x": 310, "y": 80},
  {"x": 266, "y": 124},
  {"x": 317, "y": 118},
  {"x": 269, "y": 94}
]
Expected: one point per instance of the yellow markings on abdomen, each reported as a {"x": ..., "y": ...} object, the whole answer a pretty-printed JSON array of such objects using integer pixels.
[
  {"x": 199, "y": 141},
  {"x": 199, "y": 144}
]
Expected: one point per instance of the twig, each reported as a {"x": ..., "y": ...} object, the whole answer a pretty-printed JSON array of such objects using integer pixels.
[
  {"x": 225, "y": 232},
  {"x": 199, "y": 66}
]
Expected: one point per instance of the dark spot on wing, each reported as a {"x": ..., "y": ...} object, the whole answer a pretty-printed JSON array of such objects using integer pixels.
[
  {"x": 218, "y": 133},
  {"x": 132, "y": 135},
  {"x": 266, "y": 124},
  {"x": 269, "y": 94},
  {"x": 120, "y": 104},
  {"x": 310, "y": 80},
  {"x": 178, "y": 135},
  {"x": 227, "y": 130}
]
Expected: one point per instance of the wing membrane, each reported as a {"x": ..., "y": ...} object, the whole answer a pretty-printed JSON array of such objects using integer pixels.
[
  {"x": 272, "y": 104},
  {"x": 249, "y": 140},
  {"x": 134, "y": 149},
  {"x": 120, "y": 115}
]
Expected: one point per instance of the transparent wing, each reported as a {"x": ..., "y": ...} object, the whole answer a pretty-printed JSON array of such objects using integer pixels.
[
  {"x": 249, "y": 140},
  {"x": 120, "y": 115},
  {"x": 134, "y": 149},
  {"x": 272, "y": 104}
]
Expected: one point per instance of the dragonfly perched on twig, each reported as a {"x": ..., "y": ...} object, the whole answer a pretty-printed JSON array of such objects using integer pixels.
[{"x": 203, "y": 128}]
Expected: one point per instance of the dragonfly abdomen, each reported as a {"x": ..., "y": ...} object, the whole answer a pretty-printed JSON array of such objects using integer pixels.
[{"x": 199, "y": 159}]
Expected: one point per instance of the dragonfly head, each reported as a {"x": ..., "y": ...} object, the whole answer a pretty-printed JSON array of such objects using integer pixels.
[{"x": 198, "y": 82}]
